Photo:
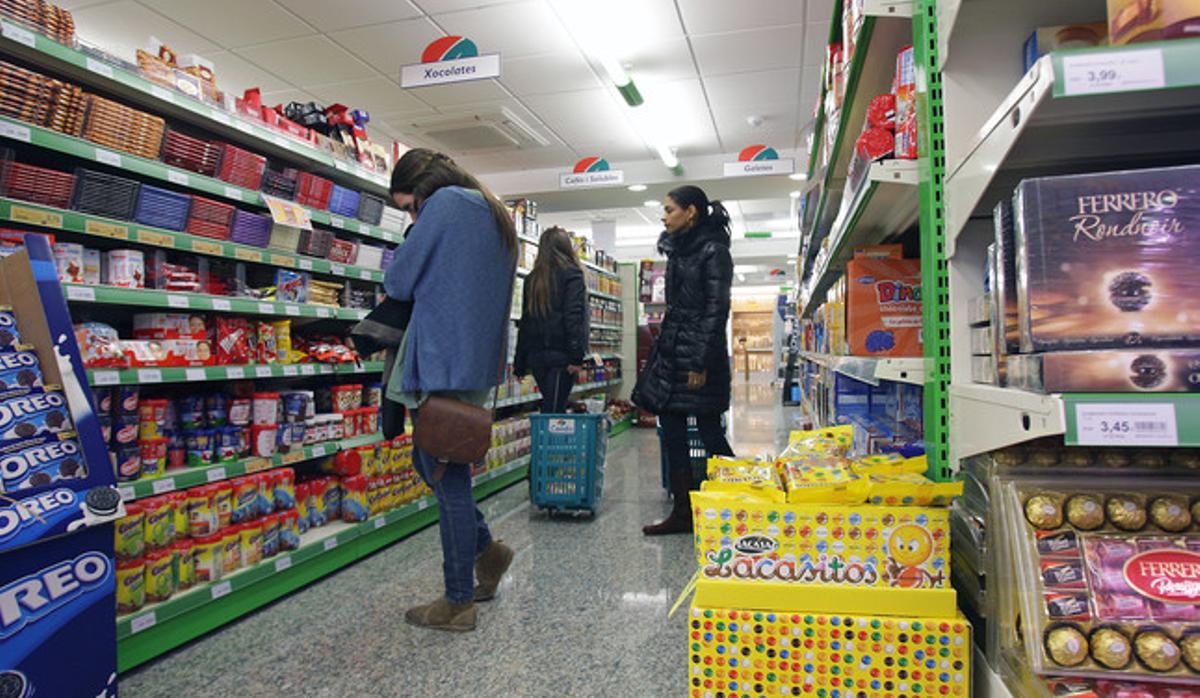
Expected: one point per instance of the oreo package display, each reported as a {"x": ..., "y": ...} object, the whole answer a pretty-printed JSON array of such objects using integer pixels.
[{"x": 1106, "y": 260}]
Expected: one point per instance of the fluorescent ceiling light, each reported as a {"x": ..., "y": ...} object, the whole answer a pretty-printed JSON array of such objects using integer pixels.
[
  {"x": 667, "y": 155},
  {"x": 794, "y": 194},
  {"x": 745, "y": 268},
  {"x": 637, "y": 187},
  {"x": 616, "y": 71},
  {"x": 741, "y": 277},
  {"x": 650, "y": 203},
  {"x": 798, "y": 176}
]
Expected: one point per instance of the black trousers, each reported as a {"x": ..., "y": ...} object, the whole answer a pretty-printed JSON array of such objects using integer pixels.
[
  {"x": 675, "y": 439},
  {"x": 555, "y": 384}
]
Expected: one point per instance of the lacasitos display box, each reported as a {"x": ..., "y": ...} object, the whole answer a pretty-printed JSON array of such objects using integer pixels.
[
  {"x": 883, "y": 307},
  {"x": 1108, "y": 260}
]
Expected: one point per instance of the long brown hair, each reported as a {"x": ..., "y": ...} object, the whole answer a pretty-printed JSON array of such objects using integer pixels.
[
  {"x": 555, "y": 252},
  {"x": 422, "y": 171}
]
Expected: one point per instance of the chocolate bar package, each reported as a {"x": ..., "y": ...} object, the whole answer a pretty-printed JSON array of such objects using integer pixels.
[
  {"x": 1107, "y": 371},
  {"x": 1107, "y": 260},
  {"x": 1004, "y": 282},
  {"x": 1152, "y": 20}
]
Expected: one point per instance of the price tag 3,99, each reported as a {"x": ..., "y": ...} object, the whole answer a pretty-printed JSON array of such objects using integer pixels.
[
  {"x": 1112, "y": 71},
  {"x": 1126, "y": 424}
]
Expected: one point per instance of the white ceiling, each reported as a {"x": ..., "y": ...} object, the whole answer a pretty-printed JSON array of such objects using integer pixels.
[{"x": 704, "y": 66}]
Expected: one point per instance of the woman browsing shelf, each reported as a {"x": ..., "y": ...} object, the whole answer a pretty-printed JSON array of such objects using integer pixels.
[{"x": 553, "y": 335}]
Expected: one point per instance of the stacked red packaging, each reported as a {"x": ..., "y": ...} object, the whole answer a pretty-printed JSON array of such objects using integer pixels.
[
  {"x": 313, "y": 191},
  {"x": 904, "y": 86},
  {"x": 241, "y": 167},
  {"x": 343, "y": 252},
  {"x": 36, "y": 184},
  {"x": 192, "y": 154},
  {"x": 210, "y": 218}
]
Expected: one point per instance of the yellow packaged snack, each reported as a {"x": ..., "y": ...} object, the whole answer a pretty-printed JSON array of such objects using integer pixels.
[
  {"x": 889, "y": 463},
  {"x": 822, "y": 478},
  {"x": 836, "y": 440},
  {"x": 757, "y": 478},
  {"x": 910, "y": 489}
]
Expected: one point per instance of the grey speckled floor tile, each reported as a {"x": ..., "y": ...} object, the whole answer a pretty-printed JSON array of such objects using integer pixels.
[{"x": 583, "y": 611}]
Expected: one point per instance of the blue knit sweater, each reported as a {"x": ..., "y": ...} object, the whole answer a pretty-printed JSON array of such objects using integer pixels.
[{"x": 458, "y": 273}]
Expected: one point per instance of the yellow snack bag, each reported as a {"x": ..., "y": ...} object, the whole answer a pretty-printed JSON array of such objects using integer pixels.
[
  {"x": 883, "y": 463},
  {"x": 757, "y": 478},
  {"x": 910, "y": 489},
  {"x": 835, "y": 440},
  {"x": 283, "y": 341},
  {"x": 821, "y": 478}
]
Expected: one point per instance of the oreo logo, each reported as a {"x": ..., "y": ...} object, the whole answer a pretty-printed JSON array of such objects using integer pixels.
[
  {"x": 26, "y": 512},
  {"x": 449, "y": 48},
  {"x": 757, "y": 152},
  {"x": 15, "y": 467},
  {"x": 17, "y": 359},
  {"x": 591, "y": 164},
  {"x": 13, "y": 409},
  {"x": 32, "y": 598},
  {"x": 755, "y": 545}
]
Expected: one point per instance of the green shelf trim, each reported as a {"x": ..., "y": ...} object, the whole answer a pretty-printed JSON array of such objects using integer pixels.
[
  {"x": 150, "y": 376},
  {"x": 77, "y": 66},
  {"x": 86, "y": 150},
  {"x": 74, "y": 222},
  {"x": 579, "y": 389},
  {"x": 1179, "y": 61},
  {"x": 191, "y": 477},
  {"x": 151, "y": 632},
  {"x": 622, "y": 426},
  {"x": 605, "y": 296},
  {"x": 153, "y": 298},
  {"x": 1185, "y": 406}
]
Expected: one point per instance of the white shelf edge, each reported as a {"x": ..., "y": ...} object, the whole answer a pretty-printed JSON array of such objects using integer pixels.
[
  {"x": 986, "y": 683},
  {"x": 900, "y": 369},
  {"x": 986, "y": 418},
  {"x": 889, "y": 8}
]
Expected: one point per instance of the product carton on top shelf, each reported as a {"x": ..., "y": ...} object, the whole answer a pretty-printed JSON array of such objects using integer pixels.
[{"x": 883, "y": 307}]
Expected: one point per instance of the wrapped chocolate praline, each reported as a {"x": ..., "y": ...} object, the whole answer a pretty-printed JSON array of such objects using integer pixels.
[
  {"x": 1190, "y": 645},
  {"x": 1011, "y": 456},
  {"x": 1085, "y": 512},
  {"x": 1066, "y": 645},
  {"x": 1149, "y": 458},
  {"x": 1044, "y": 456},
  {"x": 1126, "y": 513},
  {"x": 1170, "y": 513},
  {"x": 1110, "y": 648},
  {"x": 1113, "y": 458},
  {"x": 1044, "y": 511},
  {"x": 1196, "y": 510},
  {"x": 1077, "y": 457},
  {"x": 1156, "y": 650},
  {"x": 1185, "y": 458}
]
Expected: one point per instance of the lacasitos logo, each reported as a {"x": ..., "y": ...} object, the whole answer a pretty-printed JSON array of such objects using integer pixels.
[
  {"x": 449, "y": 48},
  {"x": 46, "y": 509},
  {"x": 757, "y": 152},
  {"x": 897, "y": 292},
  {"x": 592, "y": 164},
  {"x": 32, "y": 598}
]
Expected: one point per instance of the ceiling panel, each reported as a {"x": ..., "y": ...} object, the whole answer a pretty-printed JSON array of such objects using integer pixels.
[
  {"x": 376, "y": 95},
  {"x": 818, "y": 10},
  {"x": 329, "y": 16},
  {"x": 816, "y": 38},
  {"x": 236, "y": 74},
  {"x": 708, "y": 17},
  {"x": 771, "y": 86},
  {"x": 435, "y": 7},
  {"x": 741, "y": 52},
  {"x": 521, "y": 29},
  {"x": 308, "y": 61},
  {"x": 450, "y": 97},
  {"x": 661, "y": 62},
  {"x": 538, "y": 158},
  {"x": 388, "y": 46},
  {"x": 76, "y": 4},
  {"x": 232, "y": 23},
  {"x": 123, "y": 27},
  {"x": 682, "y": 116},
  {"x": 778, "y": 129},
  {"x": 626, "y": 148},
  {"x": 554, "y": 72},
  {"x": 584, "y": 116}
]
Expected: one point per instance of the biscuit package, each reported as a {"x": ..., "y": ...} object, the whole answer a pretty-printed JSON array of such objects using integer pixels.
[
  {"x": 25, "y": 413},
  {"x": 1107, "y": 260},
  {"x": 40, "y": 461},
  {"x": 19, "y": 368},
  {"x": 883, "y": 307}
]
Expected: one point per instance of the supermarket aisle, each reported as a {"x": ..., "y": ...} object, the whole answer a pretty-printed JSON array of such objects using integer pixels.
[{"x": 583, "y": 612}]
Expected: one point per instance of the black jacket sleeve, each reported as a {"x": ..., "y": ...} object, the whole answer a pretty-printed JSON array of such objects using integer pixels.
[
  {"x": 576, "y": 328},
  {"x": 718, "y": 281}
]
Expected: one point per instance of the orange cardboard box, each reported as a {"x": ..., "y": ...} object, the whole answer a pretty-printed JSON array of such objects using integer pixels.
[{"x": 883, "y": 307}]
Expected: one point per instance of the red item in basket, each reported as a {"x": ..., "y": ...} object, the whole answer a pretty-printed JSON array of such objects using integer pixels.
[
  {"x": 881, "y": 112},
  {"x": 875, "y": 144},
  {"x": 234, "y": 343}
]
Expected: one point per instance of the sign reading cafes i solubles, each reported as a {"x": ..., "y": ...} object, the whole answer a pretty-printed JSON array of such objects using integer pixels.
[
  {"x": 591, "y": 172},
  {"x": 759, "y": 160},
  {"x": 450, "y": 59}
]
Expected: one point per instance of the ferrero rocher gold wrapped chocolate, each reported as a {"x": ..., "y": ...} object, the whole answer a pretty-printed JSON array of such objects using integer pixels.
[
  {"x": 1190, "y": 644},
  {"x": 1044, "y": 511},
  {"x": 1156, "y": 651},
  {"x": 1011, "y": 456},
  {"x": 1044, "y": 456},
  {"x": 1113, "y": 458},
  {"x": 1077, "y": 457},
  {"x": 1085, "y": 512},
  {"x": 1185, "y": 458},
  {"x": 1110, "y": 648},
  {"x": 1126, "y": 513},
  {"x": 1170, "y": 513},
  {"x": 1149, "y": 458},
  {"x": 1196, "y": 510},
  {"x": 1066, "y": 645}
]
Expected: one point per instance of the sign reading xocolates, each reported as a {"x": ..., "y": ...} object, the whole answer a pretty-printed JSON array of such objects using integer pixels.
[
  {"x": 591, "y": 172},
  {"x": 448, "y": 60},
  {"x": 759, "y": 160}
]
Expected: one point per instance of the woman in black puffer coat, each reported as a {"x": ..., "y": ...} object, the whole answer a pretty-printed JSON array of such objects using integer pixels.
[{"x": 689, "y": 373}]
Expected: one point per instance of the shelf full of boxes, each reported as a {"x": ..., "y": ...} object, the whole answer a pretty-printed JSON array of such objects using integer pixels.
[
  {"x": 211, "y": 240},
  {"x": 1069, "y": 197}
]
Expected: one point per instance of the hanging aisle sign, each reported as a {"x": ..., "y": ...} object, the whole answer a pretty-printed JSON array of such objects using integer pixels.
[
  {"x": 448, "y": 60},
  {"x": 759, "y": 160},
  {"x": 591, "y": 172}
]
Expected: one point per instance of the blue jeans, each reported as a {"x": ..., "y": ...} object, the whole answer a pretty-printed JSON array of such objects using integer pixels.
[{"x": 464, "y": 532}]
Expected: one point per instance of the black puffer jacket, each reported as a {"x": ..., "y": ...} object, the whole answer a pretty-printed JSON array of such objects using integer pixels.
[
  {"x": 560, "y": 338},
  {"x": 692, "y": 339}
]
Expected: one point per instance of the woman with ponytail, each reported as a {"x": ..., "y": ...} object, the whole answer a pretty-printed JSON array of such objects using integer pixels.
[{"x": 688, "y": 374}]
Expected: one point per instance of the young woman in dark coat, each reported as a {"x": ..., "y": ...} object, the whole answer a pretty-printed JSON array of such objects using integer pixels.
[
  {"x": 689, "y": 373},
  {"x": 553, "y": 335}
]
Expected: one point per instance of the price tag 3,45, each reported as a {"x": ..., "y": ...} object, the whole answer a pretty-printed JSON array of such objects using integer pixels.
[
  {"x": 1126, "y": 424},
  {"x": 1113, "y": 71}
]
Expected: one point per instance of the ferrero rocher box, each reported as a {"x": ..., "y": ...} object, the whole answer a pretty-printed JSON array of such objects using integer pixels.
[{"x": 823, "y": 557}]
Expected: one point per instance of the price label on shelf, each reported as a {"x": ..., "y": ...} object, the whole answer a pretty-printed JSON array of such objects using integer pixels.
[
  {"x": 380, "y": 522},
  {"x": 1113, "y": 71},
  {"x": 364, "y": 229},
  {"x": 162, "y": 93},
  {"x": 337, "y": 270},
  {"x": 282, "y": 142},
  {"x": 149, "y": 375},
  {"x": 243, "y": 126},
  {"x": 215, "y": 474},
  {"x": 280, "y": 260},
  {"x": 167, "y": 484},
  {"x": 106, "y": 378},
  {"x": 308, "y": 370},
  {"x": 293, "y": 310},
  {"x": 366, "y": 274},
  {"x": 305, "y": 264},
  {"x": 142, "y": 622},
  {"x": 235, "y": 372},
  {"x": 18, "y": 34},
  {"x": 324, "y": 312},
  {"x": 318, "y": 451},
  {"x": 203, "y": 247},
  {"x": 283, "y": 563},
  {"x": 16, "y": 132},
  {"x": 1126, "y": 424},
  {"x": 290, "y": 370},
  {"x": 177, "y": 177},
  {"x": 176, "y": 301},
  {"x": 423, "y": 504},
  {"x": 263, "y": 371},
  {"x": 127, "y": 493},
  {"x": 330, "y": 543},
  {"x": 195, "y": 374},
  {"x": 222, "y": 589},
  {"x": 80, "y": 293},
  {"x": 221, "y": 304},
  {"x": 233, "y": 193},
  {"x": 248, "y": 255},
  {"x": 99, "y": 68},
  {"x": 20, "y": 214},
  {"x": 266, "y": 308},
  {"x": 157, "y": 239},
  {"x": 337, "y": 222},
  {"x": 108, "y": 157}
]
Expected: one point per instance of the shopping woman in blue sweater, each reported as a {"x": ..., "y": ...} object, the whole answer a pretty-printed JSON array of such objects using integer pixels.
[{"x": 457, "y": 268}]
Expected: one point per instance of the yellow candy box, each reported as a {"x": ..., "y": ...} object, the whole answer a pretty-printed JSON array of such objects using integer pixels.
[{"x": 758, "y": 479}]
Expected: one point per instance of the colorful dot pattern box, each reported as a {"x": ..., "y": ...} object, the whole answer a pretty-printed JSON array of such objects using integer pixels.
[
  {"x": 856, "y": 546},
  {"x": 738, "y": 654}
]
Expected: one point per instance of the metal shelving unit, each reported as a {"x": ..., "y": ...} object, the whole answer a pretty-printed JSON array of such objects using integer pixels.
[
  {"x": 872, "y": 370},
  {"x": 149, "y": 376},
  {"x": 153, "y": 298}
]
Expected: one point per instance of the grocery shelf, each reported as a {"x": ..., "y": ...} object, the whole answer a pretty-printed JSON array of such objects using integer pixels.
[
  {"x": 1054, "y": 120},
  {"x": 885, "y": 204},
  {"x": 83, "y": 224},
  {"x": 75, "y": 65},
  {"x": 156, "y": 629},
  {"x": 947, "y": 15},
  {"x": 193, "y": 476},
  {"x": 153, "y": 298},
  {"x": 623, "y": 425},
  {"x": 602, "y": 326},
  {"x": 536, "y": 397},
  {"x": 86, "y": 150},
  {"x": 148, "y": 376},
  {"x": 602, "y": 270},
  {"x": 871, "y": 369},
  {"x": 605, "y": 296}
]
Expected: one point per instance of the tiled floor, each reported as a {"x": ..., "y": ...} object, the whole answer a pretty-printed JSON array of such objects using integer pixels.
[{"x": 582, "y": 613}]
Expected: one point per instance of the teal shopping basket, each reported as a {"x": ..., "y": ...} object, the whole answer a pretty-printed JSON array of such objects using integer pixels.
[{"x": 566, "y": 471}]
